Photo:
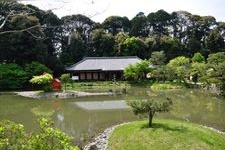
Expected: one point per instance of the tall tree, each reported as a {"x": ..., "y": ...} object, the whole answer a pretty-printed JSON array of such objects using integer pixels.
[
  {"x": 159, "y": 23},
  {"x": 23, "y": 47},
  {"x": 102, "y": 43},
  {"x": 74, "y": 51},
  {"x": 158, "y": 58},
  {"x": 215, "y": 41},
  {"x": 216, "y": 67},
  {"x": 78, "y": 23},
  {"x": 137, "y": 71},
  {"x": 198, "y": 67},
  {"x": 171, "y": 47},
  {"x": 179, "y": 66},
  {"x": 119, "y": 43},
  {"x": 139, "y": 25},
  {"x": 81, "y": 26},
  {"x": 116, "y": 24},
  {"x": 135, "y": 47},
  {"x": 30, "y": 32}
]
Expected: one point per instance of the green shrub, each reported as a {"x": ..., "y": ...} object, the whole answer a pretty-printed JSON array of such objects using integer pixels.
[
  {"x": 12, "y": 76},
  {"x": 50, "y": 138},
  {"x": 35, "y": 68},
  {"x": 137, "y": 71},
  {"x": 44, "y": 81},
  {"x": 13, "y": 137},
  {"x": 164, "y": 86},
  {"x": 65, "y": 78}
]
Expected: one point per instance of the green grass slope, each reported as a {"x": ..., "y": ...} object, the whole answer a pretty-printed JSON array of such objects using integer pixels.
[{"x": 165, "y": 135}]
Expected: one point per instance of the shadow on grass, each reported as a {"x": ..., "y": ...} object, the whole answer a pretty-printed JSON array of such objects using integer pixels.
[{"x": 165, "y": 127}]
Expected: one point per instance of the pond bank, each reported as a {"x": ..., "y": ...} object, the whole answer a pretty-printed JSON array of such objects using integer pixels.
[
  {"x": 70, "y": 94},
  {"x": 212, "y": 88},
  {"x": 101, "y": 141}
]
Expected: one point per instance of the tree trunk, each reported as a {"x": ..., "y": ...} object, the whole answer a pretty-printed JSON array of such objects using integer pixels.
[
  {"x": 164, "y": 77},
  {"x": 65, "y": 85},
  {"x": 150, "y": 116}
]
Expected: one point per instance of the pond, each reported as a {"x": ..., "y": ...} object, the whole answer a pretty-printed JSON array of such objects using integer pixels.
[{"x": 90, "y": 115}]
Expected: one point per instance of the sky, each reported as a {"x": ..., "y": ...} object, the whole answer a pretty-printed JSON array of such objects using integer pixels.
[{"x": 99, "y": 10}]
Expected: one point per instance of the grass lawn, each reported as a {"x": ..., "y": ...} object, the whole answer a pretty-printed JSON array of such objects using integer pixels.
[
  {"x": 97, "y": 86},
  {"x": 104, "y": 86},
  {"x": 165, "y": 135}
]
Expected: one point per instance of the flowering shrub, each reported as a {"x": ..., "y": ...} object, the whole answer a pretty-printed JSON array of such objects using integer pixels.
[{"x": 44, "y": 81}]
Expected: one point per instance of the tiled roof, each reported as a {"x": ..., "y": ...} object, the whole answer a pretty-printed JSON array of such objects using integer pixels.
[{"x": 103, "y": 63}]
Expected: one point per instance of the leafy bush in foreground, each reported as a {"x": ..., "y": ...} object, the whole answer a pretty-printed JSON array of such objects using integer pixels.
[{"x": 13, "y": 137}]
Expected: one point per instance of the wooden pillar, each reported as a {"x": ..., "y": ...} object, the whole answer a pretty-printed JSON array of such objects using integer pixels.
[{"x": 98, "y": 76}]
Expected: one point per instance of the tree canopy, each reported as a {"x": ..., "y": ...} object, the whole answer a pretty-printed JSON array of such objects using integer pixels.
[
  {"x": 28, "y": 34},
  {"x": 149, "y": 107}
]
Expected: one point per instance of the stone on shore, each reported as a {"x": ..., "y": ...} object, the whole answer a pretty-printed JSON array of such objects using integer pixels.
[{"x": 39, "y": 95}]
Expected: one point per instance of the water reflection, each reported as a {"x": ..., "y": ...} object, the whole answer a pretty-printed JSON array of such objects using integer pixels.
[{"x": 102, "y": 105}]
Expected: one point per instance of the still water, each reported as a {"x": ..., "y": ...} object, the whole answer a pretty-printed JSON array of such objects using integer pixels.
[{"x": 89, "y": 115}]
